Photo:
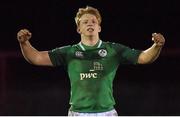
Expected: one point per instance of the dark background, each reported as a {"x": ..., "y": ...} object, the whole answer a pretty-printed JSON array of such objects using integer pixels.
[{"x": 152, "y": 89}]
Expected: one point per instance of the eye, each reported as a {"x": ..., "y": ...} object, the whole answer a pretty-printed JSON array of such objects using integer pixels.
[
  {"x": 85, "y": 22},
  {"x": 94, "y": 22}
]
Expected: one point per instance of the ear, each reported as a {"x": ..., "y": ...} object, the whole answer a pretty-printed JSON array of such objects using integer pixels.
[
  {"x": 78, "y": 30},
  {"x": 99, "y": 29}
]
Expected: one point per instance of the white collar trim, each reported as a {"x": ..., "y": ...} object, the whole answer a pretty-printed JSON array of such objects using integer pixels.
[{"x": 82, "y": 47}]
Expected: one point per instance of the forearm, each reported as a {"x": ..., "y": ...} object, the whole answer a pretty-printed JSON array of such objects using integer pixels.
[
  {"x": 29, "y": 52},
  {"x": 150, "y": 55},
  {"x": 32, "y": 55}
]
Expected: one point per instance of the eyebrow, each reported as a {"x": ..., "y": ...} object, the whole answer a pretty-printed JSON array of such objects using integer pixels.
[{"x": 87, "y": 19}]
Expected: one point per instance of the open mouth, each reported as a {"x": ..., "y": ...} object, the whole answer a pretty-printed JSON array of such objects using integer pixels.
[{"x": 90, "y": 29}]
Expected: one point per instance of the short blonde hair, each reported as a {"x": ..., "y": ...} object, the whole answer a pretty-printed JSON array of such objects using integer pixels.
[{"x": 87, "y": 10}]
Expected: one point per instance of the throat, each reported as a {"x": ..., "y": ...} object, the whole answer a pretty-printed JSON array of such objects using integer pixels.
[
  {"x": 87, "y": 47},
  {"x": 89, "y": 42}
]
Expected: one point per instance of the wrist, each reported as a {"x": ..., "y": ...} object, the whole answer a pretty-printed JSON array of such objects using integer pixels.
[
  {"x": 156, "y": 45},
  {"x": 24, "y": 42}
]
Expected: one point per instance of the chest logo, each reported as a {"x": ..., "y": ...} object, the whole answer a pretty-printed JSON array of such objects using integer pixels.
[
  {"x": 102, "y": 53},
  {"x": 79, "y": 54},
  {"x": 87, "y": 75}
]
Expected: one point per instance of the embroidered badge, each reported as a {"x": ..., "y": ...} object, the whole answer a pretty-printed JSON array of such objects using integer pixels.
[{"x": 102, "y": 53}]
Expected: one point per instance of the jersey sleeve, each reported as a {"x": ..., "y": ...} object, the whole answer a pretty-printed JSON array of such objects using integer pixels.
[
  {"x": 58, "y": 55},
  {"x": 127, "y": 55}
]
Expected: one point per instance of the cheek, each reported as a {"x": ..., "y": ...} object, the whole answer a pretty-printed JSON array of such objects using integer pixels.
[
  {"x": 82, "y": 28},
  {"x": 98, "y": 28}
]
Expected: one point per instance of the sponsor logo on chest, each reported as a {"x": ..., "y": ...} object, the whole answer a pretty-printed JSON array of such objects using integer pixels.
[
  {"x": 87, "y": 75},
  {"x": 79, "y": 54},
  {"x": 97, "y": 66}
]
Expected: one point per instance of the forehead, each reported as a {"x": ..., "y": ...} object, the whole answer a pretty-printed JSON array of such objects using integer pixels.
[{"x": 88, "y": 17}]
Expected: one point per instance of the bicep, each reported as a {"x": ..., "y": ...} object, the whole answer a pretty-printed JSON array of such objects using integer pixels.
[
  {"x": 143, "y": 58},
  {"x": 44, "y": 59}
]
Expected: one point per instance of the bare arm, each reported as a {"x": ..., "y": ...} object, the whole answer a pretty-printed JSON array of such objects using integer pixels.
[
  {"x": 151, "y": 54},
  {"x": 32, "y": 55}
]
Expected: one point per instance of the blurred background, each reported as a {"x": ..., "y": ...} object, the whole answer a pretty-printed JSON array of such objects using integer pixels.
[{"x": 152, "y": 89}]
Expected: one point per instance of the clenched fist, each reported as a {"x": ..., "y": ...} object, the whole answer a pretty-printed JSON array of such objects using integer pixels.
[
  {"x": 158, "y": 39},
  {"x": 23, "y": 35}
]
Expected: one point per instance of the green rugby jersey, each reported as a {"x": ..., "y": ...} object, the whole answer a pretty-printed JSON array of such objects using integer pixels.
[{"x": 91, "y": 71}]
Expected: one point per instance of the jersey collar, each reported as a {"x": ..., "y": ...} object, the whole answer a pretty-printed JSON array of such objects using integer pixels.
[{"x": 83, "y": 48}]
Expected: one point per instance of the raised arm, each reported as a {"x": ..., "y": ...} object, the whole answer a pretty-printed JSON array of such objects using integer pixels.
[
  {"x": 151, "y": 54},
  {"x": 32, "y": 55}
]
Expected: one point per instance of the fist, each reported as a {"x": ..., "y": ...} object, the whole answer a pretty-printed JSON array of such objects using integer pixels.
[
  {"x": 23, "y": 35},
  {"x": 158, "y": 39}
]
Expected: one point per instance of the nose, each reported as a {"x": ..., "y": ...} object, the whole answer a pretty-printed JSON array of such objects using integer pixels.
[{"x": 90, "y": 23}]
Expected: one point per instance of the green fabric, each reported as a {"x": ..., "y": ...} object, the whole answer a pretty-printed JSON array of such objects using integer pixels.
[
  {"x": 90, "y": 47},
  {"x": 91, "y": 74}
]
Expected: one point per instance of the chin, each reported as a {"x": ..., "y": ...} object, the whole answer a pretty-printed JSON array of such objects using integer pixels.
[{"x": 90, "y": 35}]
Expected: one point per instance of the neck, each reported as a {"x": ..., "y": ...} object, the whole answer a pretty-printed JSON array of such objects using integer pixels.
[{"x": 89, "y": 41}]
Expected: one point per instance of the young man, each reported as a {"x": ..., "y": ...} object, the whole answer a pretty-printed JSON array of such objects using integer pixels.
[{"x": 91, "y": 64}]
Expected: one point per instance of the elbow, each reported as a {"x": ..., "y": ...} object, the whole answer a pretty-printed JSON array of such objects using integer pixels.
[{"x": 34, "y": 60}]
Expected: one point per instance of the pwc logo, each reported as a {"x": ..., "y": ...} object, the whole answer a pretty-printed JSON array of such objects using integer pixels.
[{"x": 87, "y": 75}]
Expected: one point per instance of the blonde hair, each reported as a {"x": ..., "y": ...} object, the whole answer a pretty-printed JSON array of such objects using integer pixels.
[{"x": 87, "y": 10}]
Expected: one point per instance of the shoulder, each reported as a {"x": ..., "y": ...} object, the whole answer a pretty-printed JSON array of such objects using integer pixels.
[
  {"x": 114, "y": 44},
  {"x": 65, "y": 48}
]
